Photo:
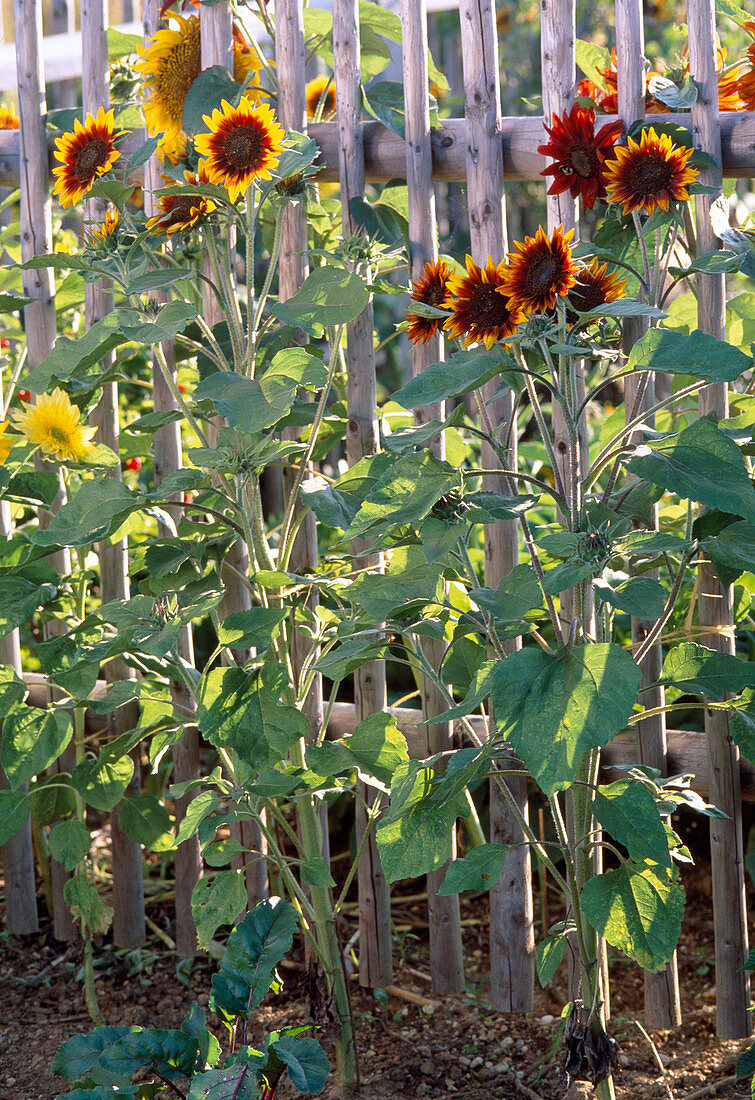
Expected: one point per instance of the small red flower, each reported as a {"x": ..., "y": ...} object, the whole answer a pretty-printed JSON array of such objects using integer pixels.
[
  {"x": 24, "y": 395},
  {"x": 181, "y": 387},
  {"x": 4, "y": 343},
  {"x": 578, "y": 154},
  {"x": 134, "y": 464},
  {"x": 188, "y": 498}
]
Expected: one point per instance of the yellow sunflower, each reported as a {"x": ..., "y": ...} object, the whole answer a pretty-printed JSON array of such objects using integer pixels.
[
  {"x": 8, "y": 117},
  {"x": 5, "y": 444},
  {"x": 540, "y": 270},
  {"x": 314, "y": 93},
  {"x": 107, "y": 228},
  {"x": 54, "y": 425},
  {"x": 87, "y": 153},
  {"x": 178, "y": 212},
  {"x": 595, "y": 286},
  {"x": 480, "y": 312},
  {"x": 244, "y": 144},
  {"x": 650, "y": 174},
  {"x": 169, "y": 65}
]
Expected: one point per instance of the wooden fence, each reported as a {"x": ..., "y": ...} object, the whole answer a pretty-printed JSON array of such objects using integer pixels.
[{"x": 482, "y": 150}]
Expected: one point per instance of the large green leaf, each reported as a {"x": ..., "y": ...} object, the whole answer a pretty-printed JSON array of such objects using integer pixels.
[
  {"x": 414, "y": 837},
  {"x": 14, "y": 810},
  {"x": 69, "y": 842},
  {"x": 217, "y": 901},
  {"x": 335, "y": 505},
  {"x": 170, "y": 1053},
  {"x": 701, "y": 464},
  {"x": 375, "y": 748},
  {"x": 732, "y": 550},
  {"x": 32, "y": 740},
  {"x": 145, "y": 820},
  {"x": 258, "y": 627},
  {"x": 80, "y": 895},
  {"x": 697, "y": 354},
  {"x": 554, "y": 707},
  {"x": 478, "y": 870},
  {"x": 306, "y": 1061},
  {"x": 549, "y": 956},
  {"x": 409, "y": 577},
  {"x": 50, "y": 800},
  {"x": 75, "y": 356},
  {"x": 462, "y": 372},
  {"x": 742, "y": 723},
  {"x": 102, "y": 780},
  {"x": 643, "y": 597},
  {"x": 627, "y": 811},
  {"x": 171, "y": 319},
  {"x": 97, "y": 509},
  {"x": 255, "y": 947},
  {"x": 234, "y": 1082},
  {"x": 639, "y": 909},
  {"x": 404, "y": 493},
  {"x": 77, "y": 1056},
  {"x": 515, "y": 595},
  {"x": 329, "y": 296},
  {"x": 695, "y": 668},
  {"x": 19, "y": 598}
]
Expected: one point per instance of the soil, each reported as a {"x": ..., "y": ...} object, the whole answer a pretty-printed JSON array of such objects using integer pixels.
[{"x": 456, "y": 1048}]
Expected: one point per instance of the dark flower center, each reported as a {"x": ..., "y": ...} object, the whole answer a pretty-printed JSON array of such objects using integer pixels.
[
  {"x": 586, "y": 295},
  {"x": 180, "y": 209},
  {"x": 487, "y": 308},
  {"x": 435, "y": 295},
  {"x": 650, "y": 175},
  {"x": 242, "y": 148},
  {"x": 584, "y": 161},
  {"x": 541, "y": 274},
  {"x": 88, "y": 159}
]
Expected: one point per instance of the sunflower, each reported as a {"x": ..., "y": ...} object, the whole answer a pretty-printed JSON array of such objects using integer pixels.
[
  {"x": 578, "y": 154},
  {"x": 540, "y": 270},
  {"x": 314, "y": 93},
  {"x": 747, "y": 80},
  {"x": 179, "y": 212},
  {"x": 5, "y": 444},
  {"x": 53, "y": 424},
  {"x": 244, "y": 144},
  {"x": 87, "y": 153},
  {"x": 480, "y": 312},
  {"x": 169, "y": 65},
  {"x": 595, "y": 286},
  {"x": 650, "y": 174},
  {"x": 8, "y": 117},
  {"x": 108, "y": 227},
  {"x": 432, "y": 289}
]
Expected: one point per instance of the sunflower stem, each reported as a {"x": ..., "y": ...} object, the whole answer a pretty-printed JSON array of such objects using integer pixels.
[
  {"x": 643, "y": 248},
  {"x": 251, "y": 320},
  {"x": 272, "y": 266},
  {"x": 229, "y": 301}
]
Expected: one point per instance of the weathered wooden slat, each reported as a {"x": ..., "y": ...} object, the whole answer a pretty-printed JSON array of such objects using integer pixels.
[{"x": 733, "y": 1018}]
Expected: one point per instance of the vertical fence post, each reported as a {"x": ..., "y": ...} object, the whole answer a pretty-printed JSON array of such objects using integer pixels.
[
  {"x": 362, "y": 439},
  {"x": 714, "y": 601},
  {"x": 512, "y": 948},
  {"x": 662, "y": 1004},
  {"x": 39, "y": 317},
  {"x": 444, "y": 918},
  {"x": 128, "y": 879}
]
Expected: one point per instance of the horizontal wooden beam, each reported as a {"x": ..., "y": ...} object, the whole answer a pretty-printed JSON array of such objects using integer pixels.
[{"x": 385, "y": 151}]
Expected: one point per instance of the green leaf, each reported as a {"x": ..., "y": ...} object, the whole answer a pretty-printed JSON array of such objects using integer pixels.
[
  {"x": 12, "y": 303},
  {"x": 171, "y": 319},
  {"x": 701, "y": 464},
  {"x": 221, "y": 852},
  {"x": 460, "y": 373},
  {"x": 120, "y": 44},
  {"x": 195, "y": 1025},
  {"x": 733, "y": 11},
  {"x": 71, "y": 357},
  {"x": 677, "y": 97},
  {"x": 205, "y": 95},
  {"x": 145, "y": 820},
  {"x": 414, "y": 836},
  {"x": 638, "y": 909},
  {"x": 593, "y": 60},
  {"x": 258, "y": 627},
  {"x": 695, "y": 668},
  {"x": 643, "y": 597},
  {"x": 316, "y": 872},
  {"x": 230, "y": 1083},
  {"x": 375, "y": 748},
  {"x": 156, "y": 280},
  {"x": 32, "y": 740},
  {"x": 306, "y": 1061},
  {"x": 98, "y": 508},
  {"x": 549, "y": 956},
  {"x": 255, "y": 947},
  {"x": 478, "y": 870},
  {"x": 733, "y": 549},
  {"x": 329, "y": 296},
  {"x": 698, "y": 354},
  {"x": 554, "y": 707},
  {"x": 626, "y": 809},
  {"x": 742, "y": 723},
  {"x": 625, "y": 307},
  {"x": 14, "y": 811},
  {"x": 19, "y": 598},
  {"x": 404, "y": 493},
  {"x": 78, "y": 1056},
  {"x": 102, "y": 781},
  {"x": 170, "y": 1053},
  {"x": 215, "y": 902},
  {"x": 69, "y": 842},
  {"x": 81, "y": 896},
  {"x": 517, "y": 593},
  {"x": 350, "y": 655},
  {"x": 50, "y": 800},
  {"x": 409, "y": 577}
]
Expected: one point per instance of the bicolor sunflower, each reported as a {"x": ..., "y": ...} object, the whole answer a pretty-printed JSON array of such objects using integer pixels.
[
  {"x": 746, "y": 85},
  {"x": 244, "y": 144},
  {"x": 108, "y": 227},
  {"x": 87, "y": 153},
  {"x": 177, "y": 212},
  {"x": 480, "y": 313},
  {"x": 650, "y": 174},
  {"x": 540, "y": 270},
  {"x": 169, "y": 65},
  {"x": 54, "y": 425},
  {"x": 432, "y": 289},
  {"x": 5, "y": 444},
  {"x": 578, "y": 154},
  {"x": 595, "y": 286},
  {"x": 322, "y": 88},
  {"x": 8, "y": 117}
]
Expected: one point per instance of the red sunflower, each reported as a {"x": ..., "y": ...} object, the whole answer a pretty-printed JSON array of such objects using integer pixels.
[
  {"x": 747, "y": 81},
  {"x": 595, "y": 286},
  {"x": 481, "y": 313},
  {"x": 87, "y": 153},
  {"x": 578, "y": 154},
  {"x": 650, "y": 174},
  {"x": 540, "y": 271},
  {"x": 432, "y": 289}
]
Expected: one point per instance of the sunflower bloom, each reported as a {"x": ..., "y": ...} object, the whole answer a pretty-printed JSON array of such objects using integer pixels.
[
  {"x": 8, "y": 117},
  {"x": 747, "y": 80},
  {"x": 479, "y": 312},
  {"x": 650, "y": 174},
  {"x": 87, "y": 153},
  {"x": 540, "y": 270},
  {"x": 177, "y": 212},
  {"x": 169, "y": 65},
  {"x": 5, "y": 444},
  {"x": 108, "y": 227},
  {"x": 54, "y": 425},
  {"x": 244, "y": 144},
  {"x": 432, "y": 289},
  {"x": 314, "y": 93},
  {"x": 578, "y": 154},
  {"x": 595, "y": 286}
]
